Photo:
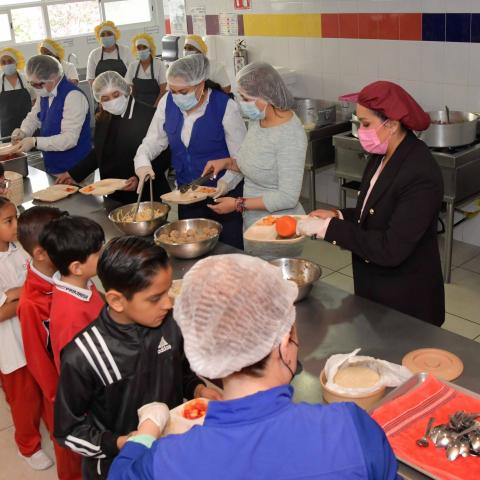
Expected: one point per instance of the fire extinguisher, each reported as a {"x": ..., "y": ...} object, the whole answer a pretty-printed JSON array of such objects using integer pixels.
[{"x": 240, "y": 55}]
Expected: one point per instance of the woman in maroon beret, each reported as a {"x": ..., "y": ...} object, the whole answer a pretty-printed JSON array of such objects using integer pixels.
[{"x": 392, "y": 231}]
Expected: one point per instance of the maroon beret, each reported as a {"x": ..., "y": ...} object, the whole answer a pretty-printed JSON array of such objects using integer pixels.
[{"x": 394, "y": 103}]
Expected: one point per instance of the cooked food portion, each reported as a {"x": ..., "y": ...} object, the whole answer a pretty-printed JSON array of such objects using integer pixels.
[
  {"x": 143, "y": 215},
  {"x": 206, "y": 190},
  {"x": 190, "y": 236},
  {"x": 268, "y": 221},
  {"x": 195, "y": 409},
  {"x": 88, "y": 189},
  {"x": 356, "y": 377}
]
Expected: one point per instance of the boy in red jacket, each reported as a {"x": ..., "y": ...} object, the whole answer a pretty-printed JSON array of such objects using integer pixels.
[
  {"x": 34, "y": 315},
  {"x": 73, "y": 244}
]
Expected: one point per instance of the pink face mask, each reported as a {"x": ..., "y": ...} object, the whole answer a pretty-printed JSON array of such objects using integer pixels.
[{"x": 370, "y": 142}]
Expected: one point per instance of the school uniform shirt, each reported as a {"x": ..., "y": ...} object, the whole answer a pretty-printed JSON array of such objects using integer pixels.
[
  {"x": 156, "y": 140},
  {"x": 108, "y": 372},
  {"x": 96, "y": 54},
  {"x": 158, "y": 72},
  {"x": 14, "y": 271},
  {"x": 9, "y": 87},
  {"x": 34, "y": 315},
  {"x": 218, "y": 74},
  {"x": 70, "y": 71},
  {"x": 73, "y": 309},
  {"x": 265, "y": 436}
]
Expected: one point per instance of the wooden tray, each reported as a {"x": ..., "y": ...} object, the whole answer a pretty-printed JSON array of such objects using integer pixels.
[
  {"x": 259, "y": 232},
  {"x": 190, "y": 196},
  {"x": 104, "y": 187},
  {"x": 54, "y": 193}
]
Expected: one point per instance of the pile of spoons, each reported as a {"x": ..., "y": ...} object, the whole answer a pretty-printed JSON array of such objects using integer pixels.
[{"x": 460, "y": 436}]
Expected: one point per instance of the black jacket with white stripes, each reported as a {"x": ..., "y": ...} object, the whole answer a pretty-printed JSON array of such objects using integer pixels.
[{"x": 108, "y": 371}]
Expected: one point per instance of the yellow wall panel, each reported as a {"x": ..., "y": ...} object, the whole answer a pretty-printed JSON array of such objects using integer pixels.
[{"x": 283, "y": 25}]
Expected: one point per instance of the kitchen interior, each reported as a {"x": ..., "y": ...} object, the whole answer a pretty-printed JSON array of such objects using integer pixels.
[{"x": 326, "y": 50}]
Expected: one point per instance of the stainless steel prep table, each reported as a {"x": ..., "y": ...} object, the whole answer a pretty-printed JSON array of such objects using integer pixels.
[{"x": 329, "y": 321}]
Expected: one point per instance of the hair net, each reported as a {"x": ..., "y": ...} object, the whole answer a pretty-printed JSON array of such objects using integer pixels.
[
  {"x": 43, "y": 68},
  {"x": 233, "y": 310},
  {"x": 53, "y": 47},
  {"x": 188, "y": 71},
  {"x": 108, "y": 26},
  {"x": 261, "y": 80},
  {"x": 17, "y": 55},
  {"x": 107, "y": 82},
  {"x": 197, "y": 42},
  {"x": 144, "y": 39}
]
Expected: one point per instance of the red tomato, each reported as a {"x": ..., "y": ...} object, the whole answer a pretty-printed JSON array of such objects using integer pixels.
[{"x": 195, "y": 409}]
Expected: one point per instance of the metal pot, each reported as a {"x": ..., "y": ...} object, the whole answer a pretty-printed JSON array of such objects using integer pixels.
[
  {"x": 15, "y": 162},
  {"x": 313, "y": 112},
  {"x": 462, "y": 129},
  {"x": 355, "y": 125}
]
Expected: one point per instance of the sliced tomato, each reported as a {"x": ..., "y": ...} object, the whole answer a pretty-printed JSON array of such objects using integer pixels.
[{"x": 195, "y": 409}]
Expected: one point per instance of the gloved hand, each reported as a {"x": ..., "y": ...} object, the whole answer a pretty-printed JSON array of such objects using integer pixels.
[
  {"x": 311, "y": 226},
  {"x": 142, "y": 173},
  {"x": 26, "y": 144},
  {"x": 157, "y": 412},
  {"x": 18, "y": 135},
  {"x": 222, "y": 189}
]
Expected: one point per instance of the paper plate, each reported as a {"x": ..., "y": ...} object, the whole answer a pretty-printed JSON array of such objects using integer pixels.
[
  {"x": 54, "y": 193},
  {"x": 444, "y": 365},
  {"x": 187, "y": 198},
  {"x": 178, "y": 423},
  {"x": 104, "y": 187},
  {"x": 267, "y": 233}
]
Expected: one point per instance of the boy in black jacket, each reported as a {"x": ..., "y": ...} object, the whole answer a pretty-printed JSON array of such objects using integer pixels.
[{"x": 130, "y": 356}]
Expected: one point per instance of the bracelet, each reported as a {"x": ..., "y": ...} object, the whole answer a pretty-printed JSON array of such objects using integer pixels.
[
  {"x": 240, "y": 205},
  {"x": 336, "y": 213}
]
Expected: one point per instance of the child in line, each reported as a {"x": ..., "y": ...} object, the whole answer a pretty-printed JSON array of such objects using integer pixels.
[
  {"x": 21, "y": 391},
  {"x": 34, "y": 314},
  {"x": 3, "y": 181},
  {"x": 73, "y": 245},
  {"x": 130, "y": 356}
]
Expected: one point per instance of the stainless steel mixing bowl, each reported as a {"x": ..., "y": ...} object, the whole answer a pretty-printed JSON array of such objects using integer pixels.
[
  {"x": 192, "y": 249},
  {"x": 303, "y": 272},
  {"x": 141, "y": 229}
]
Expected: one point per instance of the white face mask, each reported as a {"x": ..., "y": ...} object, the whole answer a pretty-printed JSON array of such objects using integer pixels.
[
  {"x": 43, "y": 92},
  {"x": 117, "y": 106},
  {"x": 186, "y": 53}
]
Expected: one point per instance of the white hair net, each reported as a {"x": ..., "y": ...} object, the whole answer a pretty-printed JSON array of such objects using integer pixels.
[
  {"x": 188, "y": 71},
  {"x": 108, "y": 82},
  {"x": 233, "y": 311},
  {"x": 43, "y": 68},
  {"x": 261, "y": 80}
]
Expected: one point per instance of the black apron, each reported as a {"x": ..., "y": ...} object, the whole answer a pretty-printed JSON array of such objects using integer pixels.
[
  {"x": 14, "y": 107},
  {"x": 146, "y": 90},
  {"x": 116, "y": 65}
]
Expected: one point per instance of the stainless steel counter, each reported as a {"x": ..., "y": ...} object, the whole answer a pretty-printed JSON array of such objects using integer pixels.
[{"x": 329, "y": 321}]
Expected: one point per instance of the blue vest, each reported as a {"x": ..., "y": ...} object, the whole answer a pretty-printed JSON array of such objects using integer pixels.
[
  {"x": 51, "y": 119},
  {"x": 206, "y": 143}
]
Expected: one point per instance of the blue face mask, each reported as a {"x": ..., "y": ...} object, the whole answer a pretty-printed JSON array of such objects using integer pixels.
[
  {"x": 9, "y": 69},
  {"x": 251, "y": 111},
  {"x": 143, "y": 54},
  {"x": 108, "y": 42},
  {"x": 185, "y": 102}
]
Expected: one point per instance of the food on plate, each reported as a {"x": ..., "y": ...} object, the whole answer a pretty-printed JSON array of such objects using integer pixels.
[
  {"x": 88, "y": 189},
  {"x": 190, "y": 236},
  {"x": 286, "y": 226},
  {"x": 143, "y": 215},
  {"x": 206, "y": 190},
  {"x": 70, "y": 189},
  {"x": 195, "y": 409},
  {"x": 356, "y": 377},
  {"x": 268, "y": 221}
]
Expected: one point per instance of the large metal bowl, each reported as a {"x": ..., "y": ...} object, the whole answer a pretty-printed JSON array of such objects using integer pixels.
[
  {"x": 303, "y": 272},
  {"x": 142, "y": 229},
  {"x": 192, "y": 249}
]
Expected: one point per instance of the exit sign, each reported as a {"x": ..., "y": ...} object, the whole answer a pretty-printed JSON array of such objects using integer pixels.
[{"x": 242, "y": 4}]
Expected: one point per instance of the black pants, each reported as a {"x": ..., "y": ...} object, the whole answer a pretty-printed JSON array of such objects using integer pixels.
[
  {"x": 232, "y": 223},
  {"x": 95, "y": 469}
]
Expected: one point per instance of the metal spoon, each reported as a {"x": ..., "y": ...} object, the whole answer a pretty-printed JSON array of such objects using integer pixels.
[
  {"x": 474, "y": 438},
  {"x": 423, "y": 442}
]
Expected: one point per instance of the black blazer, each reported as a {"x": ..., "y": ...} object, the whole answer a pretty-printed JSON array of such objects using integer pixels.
[
  {"x": 116, "y": 141},
  {"x": 395, "y": 255}
]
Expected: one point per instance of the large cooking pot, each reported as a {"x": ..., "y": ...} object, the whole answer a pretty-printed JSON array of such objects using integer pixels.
[
  {"x": 461, "y": 130},
  {"x": 315, "y": 113}
]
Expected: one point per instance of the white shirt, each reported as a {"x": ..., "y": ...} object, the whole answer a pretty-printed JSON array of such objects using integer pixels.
[
  {"x": 70, "y": 71},
  {"x": 96, "y": 54},
  {"x": 218, "y": 74},
  {"x": 156, "y": 140},
  {"x": 14, "y": 272},
  {"x": 158, "y": 72},
  {"x": 9, "y": 87},
  {"x": 75, "y": 110}
]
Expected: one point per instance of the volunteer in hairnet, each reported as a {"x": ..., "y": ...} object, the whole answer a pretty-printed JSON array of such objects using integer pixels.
[
  {"x": 272, "y": 157},
  {"x": 61, "y": 112},
  {"x": 55, "y": 49},
  {"x": 119, "y": 130},
  {"x": 200, "y": 123},
  {"x": 195, "y": 44},
  {"x": 237, "y": 317}
]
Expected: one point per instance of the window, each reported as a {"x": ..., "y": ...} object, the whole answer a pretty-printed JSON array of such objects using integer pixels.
[
  {"x": 5, "y": 35},
  {"x": 28, "y": 24},
  {"x": 70, "y": 19},
  {"x": 124, "y": 12}
]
